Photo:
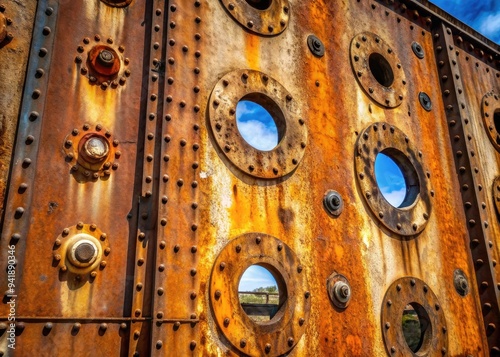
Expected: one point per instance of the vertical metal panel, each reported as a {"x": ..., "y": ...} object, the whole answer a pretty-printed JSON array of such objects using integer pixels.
[
  {"x": 474, "y": 79},
  {"x": 62, "y": 103},
  {"x": 13, "y": 60}
]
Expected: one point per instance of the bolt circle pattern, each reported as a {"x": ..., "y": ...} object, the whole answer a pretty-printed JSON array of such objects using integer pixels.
[
  {"x": 267, "y": 22},
  {"x": 281, "y": 160},
  {"x": 91, "y": 152},
  {"x": 402, "y": 292},
  {"x": 102, "y": 63},
  {"x": 362, "y": 46},
  {"x": 277, "y": 336},
  {"x": 490, "y": 104},
  {"x": 71, "y": 238},
  {"x": 374, "y": 139}
]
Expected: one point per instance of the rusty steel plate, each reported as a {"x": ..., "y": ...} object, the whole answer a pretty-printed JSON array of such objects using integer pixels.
[
  {"x": 263, "y": 17},
  {"x": 412, "y": 216},
  {"x": 412, "y": 291},
  {"x": 378, "y": 69},
  {"x": 284, "y": 330},
  {"x": 81, "y": 250},
  {"x": 102, "y": 62},
  {"x": 496, "y": 194},
  {"x": 269, "y": 93},
  {"x": 91, "y": 152},
  {"x": 491, "y": 118}
]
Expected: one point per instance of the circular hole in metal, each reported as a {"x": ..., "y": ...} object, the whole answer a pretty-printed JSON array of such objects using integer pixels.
[
  {"x": 381, "y": 69},
  {"x": 417, "y": 328},
  {"x": 259, "y": 4},
  {"x": 260, "y": 121},
  {"x": 396, "y": 178},
  {"x": 262, "y": 292}
]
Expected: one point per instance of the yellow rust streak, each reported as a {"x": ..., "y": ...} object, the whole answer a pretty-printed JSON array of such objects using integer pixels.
[{"x": 253, "y": 51}]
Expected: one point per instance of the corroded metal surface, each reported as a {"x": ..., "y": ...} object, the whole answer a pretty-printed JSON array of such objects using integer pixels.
[
  {"x": 292, "y": 133},
  {"x": 284, "y": 330},
  {"x": 464, "y": 90},
  {"x": 378, "y": 69},
  {"x": 411, "y": 217},
  {"x": 14, "y": 49},
  {"x": 175, "y": 205},
  {"x": 414, "y": 292}
]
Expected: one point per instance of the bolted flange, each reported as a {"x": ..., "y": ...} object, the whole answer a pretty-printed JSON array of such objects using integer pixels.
[
  {"x": 316, "y": 46},
  {"x": 339, "y": 290},
  {"x": 425, "y": 101},
  {"x": 418, "y": 50},
  {"x": 460, "y": 281},
  {"x": 333, "y": 203}
]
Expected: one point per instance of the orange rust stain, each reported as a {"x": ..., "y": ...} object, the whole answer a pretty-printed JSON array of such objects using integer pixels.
[
  {"x": 252, "y": 51},
  {"x": 355, "y": 345}
]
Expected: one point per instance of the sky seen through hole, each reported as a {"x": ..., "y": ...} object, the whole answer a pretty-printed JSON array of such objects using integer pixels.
[{"x": 258, "y": 128}]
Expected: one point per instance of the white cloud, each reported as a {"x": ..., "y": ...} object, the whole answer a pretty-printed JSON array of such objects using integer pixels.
[
  {"x": 394, "y": 197},
  {"x": 490, "y": 25},
  {"x": 258, "y": 135},
  {"x": 256, "y": 277}
]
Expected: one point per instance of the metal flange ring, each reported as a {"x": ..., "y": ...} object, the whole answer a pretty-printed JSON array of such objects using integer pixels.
[
  {"x": 271, "y": 338},
  {"x": 266, "y": 91},
  {"x": 378, "y": 69},
  {"x": 491, "y": 111},
  {"x": 81, "y": 249},
  {"x": 264, "y": 17},
  {"x": 412, "y": 216},
  {"x": 412, "y": 291}
]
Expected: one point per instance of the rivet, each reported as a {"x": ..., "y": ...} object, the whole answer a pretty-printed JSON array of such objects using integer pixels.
[
  {"x": 268, "y": 347},
  {"x": 243, "y": 342},
  {"x": 238, "y": 248}
]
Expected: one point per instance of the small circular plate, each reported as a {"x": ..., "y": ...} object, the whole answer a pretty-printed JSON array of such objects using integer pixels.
[
  {"x": 491, "y": 108},
  {"x": 281, "y": 160},
  {"x": 263, "y": 17},
  {"x": 412, "y": 291},
  {"x": 380, "y": 137},
  {"x": 378, "y": 69},
  {"x": 271, "y": 338}
]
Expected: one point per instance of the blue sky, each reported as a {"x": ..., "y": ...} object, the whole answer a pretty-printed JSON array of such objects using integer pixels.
[
  {"x": 256, "y": 125},
  {"x": 390, "y": 180},
  {"x": 256, "y": 277},
  {"x": 481, "y": 15}
]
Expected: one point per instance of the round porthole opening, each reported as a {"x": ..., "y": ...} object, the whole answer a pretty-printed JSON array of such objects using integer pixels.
[
  {"x": 260, "y": 121},
  {"x": 94, "y": 148},
  {"x": 261, "y": 292},
  {"x": 417, "y": 328},
  {"x": 396, "y": 178},
  {"x": 381, "y": 69},
  {"x": 259, "y": 4}
]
